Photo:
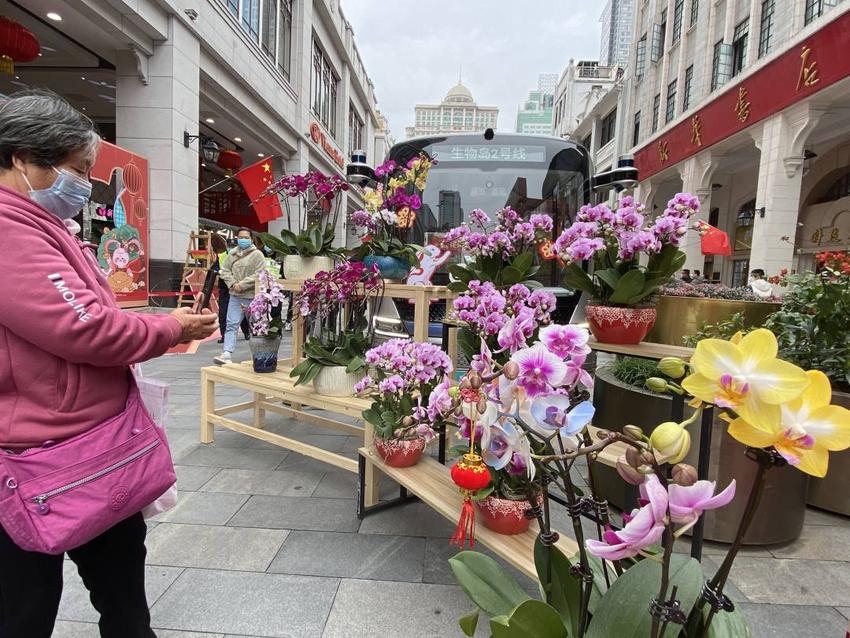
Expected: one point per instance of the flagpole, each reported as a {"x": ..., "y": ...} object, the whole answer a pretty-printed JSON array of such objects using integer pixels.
[{"x": 270, "y": 157}]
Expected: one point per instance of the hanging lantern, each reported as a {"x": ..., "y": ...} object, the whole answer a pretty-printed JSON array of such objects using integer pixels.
[
  {"x": 132, "y": 178},
  {"x": 470, "y": 475},
  {"x": 140, "y": 210},
  {"x": 17, "y": 44},
  {"x": 230, "y": 161}
]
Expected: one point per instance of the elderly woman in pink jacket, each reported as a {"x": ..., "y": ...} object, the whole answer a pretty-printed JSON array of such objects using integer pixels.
[{"x": 66, "y": 348}]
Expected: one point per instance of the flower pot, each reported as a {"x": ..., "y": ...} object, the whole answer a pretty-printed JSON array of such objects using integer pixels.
[
  {"x": 503, "y": 515},
  {"x": 298, "y": 267},
  {"x": 334, "y": 381},
  {"x": 830, "y": 493},
  {"x": 389, "y": 267},
  {"x": 400, "y": 452},
  {"x": 627, "y": 326},
  {"x": 264, "y": 353}
]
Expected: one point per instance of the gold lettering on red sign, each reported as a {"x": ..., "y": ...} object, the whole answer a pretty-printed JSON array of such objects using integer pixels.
[
  {"x": 742, "y": 106},
  {"x": 696, "y": 130},
  {"x": 808, "y": 69},
  {"x": 663, "y": 151}
]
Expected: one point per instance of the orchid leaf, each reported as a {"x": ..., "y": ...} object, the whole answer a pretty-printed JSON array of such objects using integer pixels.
[
  {"x": 564, "y": 588},
  {"x": 372, "y": 416},
  {"x": 609, "y": 276},
  {"x": 577, "y": 279},
  {"x": 487, "y": 584},
  {"x": 628, "y": 286},
  {"x": 355, "y": 364},
  {"x": 523, "y": 261},
  {"x": 469, "y": 623},
  {"x": 460, "y": 273},
  {"x": 511, "y": 276},
  {"x": 481, "y": 494},
  {"x": 457, "y": 286},
  {"x": 531, "y": 619},
  {"x": 727, "y": 624}
]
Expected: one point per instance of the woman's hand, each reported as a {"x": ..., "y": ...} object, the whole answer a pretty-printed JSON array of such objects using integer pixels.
[{"x": 195, "y": 326}]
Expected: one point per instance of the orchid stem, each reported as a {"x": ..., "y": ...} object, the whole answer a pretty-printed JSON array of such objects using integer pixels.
[
  {"x": 591, "y": 460},
  {"x": 665, "y": 564}
]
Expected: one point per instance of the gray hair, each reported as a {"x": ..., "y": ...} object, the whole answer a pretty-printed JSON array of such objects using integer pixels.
[{"x": 42, "y": 128}]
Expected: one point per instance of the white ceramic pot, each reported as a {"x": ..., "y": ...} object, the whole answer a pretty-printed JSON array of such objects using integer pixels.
[
  {"x": 298, "y": 267},
  {"x": 334, "y": 381}
]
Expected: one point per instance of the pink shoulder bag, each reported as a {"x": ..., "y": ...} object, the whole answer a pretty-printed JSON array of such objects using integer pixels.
[{"x": 57, "y": 497}]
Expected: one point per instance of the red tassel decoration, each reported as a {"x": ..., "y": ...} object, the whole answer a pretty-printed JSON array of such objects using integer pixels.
[
  {"x": 471, "y": 475},
  {"x": 465, "y": 525}
]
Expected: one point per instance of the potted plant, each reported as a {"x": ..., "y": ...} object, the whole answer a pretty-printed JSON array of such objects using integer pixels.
[
  {"x": 336, "y": 304},
  {"x": 621, "y": 308},
  {"x": 504, "y": 253},
  {"x": 626, "y": 580},
  {"x": 312, "y": 212},
  {"x": 402, "y": 375},
  {"x": 266, "y": 322},
  {"x": 390, "y": 211}
]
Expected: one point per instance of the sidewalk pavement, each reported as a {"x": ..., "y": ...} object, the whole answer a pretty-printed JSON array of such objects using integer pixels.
[{"x": 266, "y": 542}]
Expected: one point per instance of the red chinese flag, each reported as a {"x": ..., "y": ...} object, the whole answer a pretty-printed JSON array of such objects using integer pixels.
[
  {"x": 715, "y": 242},
  {"x": 255, "y": 179}
]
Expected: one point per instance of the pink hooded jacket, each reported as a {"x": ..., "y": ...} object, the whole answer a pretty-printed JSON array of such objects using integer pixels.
[{"x": 64, "y": 343}]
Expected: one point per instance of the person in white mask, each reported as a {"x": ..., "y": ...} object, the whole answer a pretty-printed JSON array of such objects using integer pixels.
[{"x": 760, "y": 286}]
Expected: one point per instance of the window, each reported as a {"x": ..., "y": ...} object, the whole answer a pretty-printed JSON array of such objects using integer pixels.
[
  {"x": 766, "y": 32},
  {"x": 740, "y": 271},
  {"x": 586, "y": 142},
  {"x": 694, "y": 12},
  {"x": 640, "y": 57},
  {"x": 656, "y": 105},
  {"x": 814, "y": 9},
  {"x": 721, "y": 65},
  {"x": 678, "y": 10},
  {"x": 606, "y": 133},
  {"x": 355, "y": 130},
  {"x": 269, "y": 23},
  {"x": 251, "y": 16},
  {"x": 659, "y": 33},
  {"x": 323, "y": 90},
  {"x": 284, "y": 37},
  {"x": 269, "y": 35},
  {"x": 670, "y": 111},
  {"x": 233, "y": 7},
  {"x": 739, "y": 46},
  {"x": 689, "y": 86},
  {"x": 636, "y": 129},
  {"x": 840, "y": 188}
]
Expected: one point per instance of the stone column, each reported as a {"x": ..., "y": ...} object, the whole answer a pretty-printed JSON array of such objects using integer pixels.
[
  {"x": 696, "y": 173},
  {"x": 154, "y": 106}
]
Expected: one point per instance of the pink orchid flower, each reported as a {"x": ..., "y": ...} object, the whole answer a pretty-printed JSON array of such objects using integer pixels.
[
  {"x": 643, "y": 529},
  {"x": 565, "y": 341},
  {"x": 688, "y": 503},
  {"x": 576, "y": 374},
  {"x": 539, "y": 370},
  {"x": 512, "y": 335}
]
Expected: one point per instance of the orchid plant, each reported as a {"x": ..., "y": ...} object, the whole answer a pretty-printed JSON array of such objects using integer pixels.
[
  {"x": 391, "y": 209},
  {"x": 628, "y": 581},
  {"x": 501, "y": 253},
  {"x": 312, "y": 212},
  {"x": 615, "y": 241},
  {"x": 264, "y": 311}
]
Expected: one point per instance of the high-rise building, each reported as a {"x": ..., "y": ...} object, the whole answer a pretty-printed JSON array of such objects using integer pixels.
[
  {"x": 617, "y": 21},
  {"x": 535, "y": 115},
  {"x": 581, "y": 86},
  {"x": 457, "y": 113}
]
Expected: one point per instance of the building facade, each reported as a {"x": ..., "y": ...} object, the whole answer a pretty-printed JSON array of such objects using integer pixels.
[
  {"x": 744, "y": 103},
  {"x": 581, "y": 86},
  {"x": 534, "y": 116},
  {"x": 274, "y": 79},
  {"x": 617, "y": 22},
  {"x": 457, "y": 113}
]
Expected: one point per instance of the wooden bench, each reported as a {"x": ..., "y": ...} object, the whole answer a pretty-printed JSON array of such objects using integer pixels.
[{"x": 431, "y": 482}]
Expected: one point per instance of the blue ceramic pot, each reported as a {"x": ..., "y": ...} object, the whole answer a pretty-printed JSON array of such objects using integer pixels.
[
  {"x": 264, "y": 353},
  {"x": 389, "y": 267}
]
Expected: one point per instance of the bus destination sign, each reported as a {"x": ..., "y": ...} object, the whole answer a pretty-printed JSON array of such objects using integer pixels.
[{"x": 488, "y": 153}]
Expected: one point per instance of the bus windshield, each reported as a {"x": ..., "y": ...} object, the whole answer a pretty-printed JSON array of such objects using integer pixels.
[{"x": 529, "y": 174}]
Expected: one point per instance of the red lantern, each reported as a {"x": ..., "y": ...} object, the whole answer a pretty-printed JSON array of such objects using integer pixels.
[
  {"x": 229, "y": 160},
  {"x": 132, "y": 178},
  {"x": 17, "y": 44},
  {"x": 470, "y": 475}
]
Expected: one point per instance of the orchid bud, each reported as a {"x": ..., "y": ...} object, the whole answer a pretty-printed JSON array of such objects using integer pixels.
[
  {"x": 511, "y": 370},
  {"x": 633, "y": 432},
  {"x": 464, "y": 383},
  {"x": 407, "y": 421},
  {"x": 474, "y": 379},
  {"x": 646, "y": 469},
  {"x": 657, "y": 384},
  {"x": 628, "y": 473},
  {"x": 673, "y": 367},
  {"x": 684, "y": 474},
  {"x": 482, "y": 405},
  {"x": 671, "y": 441},
  {"x": 632, "y": 456},
  {"x": 458, "y": 411},
  {"x": 646, "y": 458},
  {"x": 454, "y": 392}
]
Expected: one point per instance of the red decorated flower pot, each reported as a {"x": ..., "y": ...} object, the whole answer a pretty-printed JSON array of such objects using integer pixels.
[
  {"x": 503, "y": 515},
  {"x": 400, "y": 452},
  {"x": 626, "y": 326}
]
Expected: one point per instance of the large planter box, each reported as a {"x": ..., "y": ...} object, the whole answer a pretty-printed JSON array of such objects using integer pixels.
[
  {"x": 830, "y": 493},
  {"x": 780, "y": 516},
  {"x": 680, "y": 317}
]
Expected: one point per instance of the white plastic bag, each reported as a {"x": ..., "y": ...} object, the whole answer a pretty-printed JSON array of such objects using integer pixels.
[{"x": 154, "y": 394}]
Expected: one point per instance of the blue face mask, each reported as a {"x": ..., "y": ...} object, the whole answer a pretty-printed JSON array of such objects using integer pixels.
[
  {"x": 65, "y": 197},
  {"x": 243, "y": 243},
  {"x": 268, "y": 251}
]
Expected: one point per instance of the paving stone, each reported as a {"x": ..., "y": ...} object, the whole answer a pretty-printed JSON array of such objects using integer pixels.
[
  {"x": 265, "y": 482},
  {"x": 365, "y": 609},
  {"x": 780, "y": 621},
  {"x": 246, "y": 603},
  {"x": 299, "y": 462},
  {"x": 75, "y": 603},
  {"x": 823, "y": 542},
  {"x": 288, "y": 512},
  {"x": 412, "y": 519},
  {"x": 351, "y": 556},
  {"x": 203, "y": 508},
  {"x": 190, "y": 478},
  {"x": 710, "y": 565},
  {"x": 815, "y": 516},
  {"x": 214, "y": 547},
  {"x": 68, "y": 629},
  {"x": 170, "y": 633},
  {"x": 230, "y": 439},
  {"x": 844, "y": 611},
  {"x": 327, "y": 442},
  {"x": 344, "y": 485},
  {"x": 212, "y": 456},
  {"x": 792, "y": 582}
]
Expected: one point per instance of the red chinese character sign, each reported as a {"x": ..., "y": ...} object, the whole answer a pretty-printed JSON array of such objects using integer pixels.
[{"x": 123, "y": 249}]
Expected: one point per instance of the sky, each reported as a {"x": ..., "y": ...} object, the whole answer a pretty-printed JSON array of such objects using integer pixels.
[{"x": 414, "y": 49}]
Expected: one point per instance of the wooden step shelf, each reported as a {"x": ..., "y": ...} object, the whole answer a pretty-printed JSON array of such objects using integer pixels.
[{"x": 432, "y": 483}]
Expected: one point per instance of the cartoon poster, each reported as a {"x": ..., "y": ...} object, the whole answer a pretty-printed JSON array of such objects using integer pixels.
[{"x": 123, "y": 249}]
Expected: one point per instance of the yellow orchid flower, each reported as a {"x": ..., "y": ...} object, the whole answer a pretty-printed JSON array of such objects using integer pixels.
[
  {"x": 744, "y": 375},
  {"x": 809, "y": 429},
  {"x": 373, "y": 198}
]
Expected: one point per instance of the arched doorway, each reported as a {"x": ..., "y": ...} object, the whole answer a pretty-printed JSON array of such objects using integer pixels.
[{"x": 825, "y": 222}]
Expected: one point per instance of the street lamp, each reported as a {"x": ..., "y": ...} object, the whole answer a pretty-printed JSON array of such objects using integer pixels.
[{"x": 209, "y": 148}]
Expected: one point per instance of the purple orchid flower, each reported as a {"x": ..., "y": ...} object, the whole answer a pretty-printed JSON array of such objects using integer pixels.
[
  {"x": 512, "y": 335},
  {"x": 688, "y": 503},
  {"x": 539, "y": 370},
  {"x": 508, "y": 448},
  {"x": 565, "y": 341},
  {"x": 552, "y": 413}
]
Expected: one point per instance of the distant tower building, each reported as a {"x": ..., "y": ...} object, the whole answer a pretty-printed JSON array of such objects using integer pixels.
[
  {"x": 535, "y": 115},
  {"x": 547, "y": 82},
  {"x": 617, "y": 21},
  {"x": 457, "y": 113}
]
